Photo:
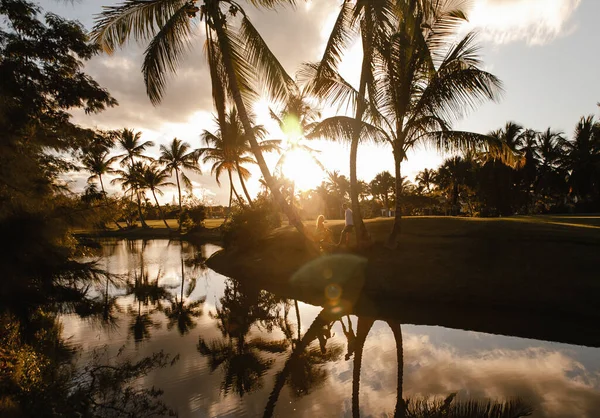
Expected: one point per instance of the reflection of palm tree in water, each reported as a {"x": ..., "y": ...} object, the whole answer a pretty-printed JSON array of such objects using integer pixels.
[
  {"x": 350, "y": 337},
  {"x": 149, "y": 294},
  {"x": 243, "y": 361},
  {"x": 424, "y": 407},
  {"x": 180, "y": 313}
]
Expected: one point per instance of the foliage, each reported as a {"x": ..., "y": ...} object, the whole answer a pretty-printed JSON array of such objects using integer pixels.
[
  {"x": 38, "y": 376},
  {"x": 248, "y": 225}
]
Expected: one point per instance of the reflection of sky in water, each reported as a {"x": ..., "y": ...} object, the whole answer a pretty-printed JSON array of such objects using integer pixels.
[{"x": 558, "y": 379}]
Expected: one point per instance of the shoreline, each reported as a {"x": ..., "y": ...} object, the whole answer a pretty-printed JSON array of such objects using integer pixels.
[{"x": 534, "y": 281}]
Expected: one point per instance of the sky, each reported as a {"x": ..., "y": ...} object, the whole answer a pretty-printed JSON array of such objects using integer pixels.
[{"x": 544, "y": 51}]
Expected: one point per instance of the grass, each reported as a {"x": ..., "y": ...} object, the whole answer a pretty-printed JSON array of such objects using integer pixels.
[{"x": 534, "y": 276}]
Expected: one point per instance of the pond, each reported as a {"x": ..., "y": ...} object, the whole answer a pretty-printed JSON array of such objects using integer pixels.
[{"x": 246, "y": 352}]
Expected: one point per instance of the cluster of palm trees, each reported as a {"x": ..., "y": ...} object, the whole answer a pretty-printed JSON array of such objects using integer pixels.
[
  {"x": 415, "y": 80},
  {"x": 138, "y": 173},
  {"x": 549, "y": 173}
]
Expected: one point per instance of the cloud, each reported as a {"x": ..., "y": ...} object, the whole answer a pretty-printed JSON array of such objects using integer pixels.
[{"x": 536, "y": 22}]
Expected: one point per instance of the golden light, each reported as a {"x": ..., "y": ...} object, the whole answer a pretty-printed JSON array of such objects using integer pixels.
[
  {"x": 301, "y": 168},
  {"x": 292, "y": 129}
]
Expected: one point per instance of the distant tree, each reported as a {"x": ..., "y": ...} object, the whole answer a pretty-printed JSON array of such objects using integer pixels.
[
  {"x": 178, "y": 157},
  {"x": 426, "y": 179},
  {"x": 130, "y": 142},
  {"x": 383, "y": 187},
  {"x": 582, "y": 159},
  {"x": 152, "y": 178}
]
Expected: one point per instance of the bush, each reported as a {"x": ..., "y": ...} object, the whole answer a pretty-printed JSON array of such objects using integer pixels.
[
  {"x": 192, "y": 218},
  {"x": 248, "y": 225}
]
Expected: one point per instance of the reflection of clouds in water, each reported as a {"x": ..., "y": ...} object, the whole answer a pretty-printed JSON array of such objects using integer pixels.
[
  {"x": 556, "y": 384},
  {"x": 437, "y": 361}
]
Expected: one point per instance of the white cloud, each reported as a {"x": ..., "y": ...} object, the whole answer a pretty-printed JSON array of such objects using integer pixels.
[{"x": 535, "y": 22}]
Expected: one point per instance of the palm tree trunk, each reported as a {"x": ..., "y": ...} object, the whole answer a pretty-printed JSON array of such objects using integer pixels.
[
  {"x": 396, "y": 327},
  {"x": 241, "y": 108},
  {"x": 139, "y": 204},
  {"x": 237, "y": 196},
  {"x": 395, "y": 233},
  {"x": 244, "y": 185},
  {"x": 362, "y": 330},
  {"x": 362, "y": 236},
  {"x": 182, "y": 280},
  {"x": 298, "y": 318},
  {"x": 105, "y": 198},
  {"x": 282, "y": 376},
  {"x": 162, "y": 215},
  {"x": 179, "y": 191},
  {"x": 230, "y": 195}
]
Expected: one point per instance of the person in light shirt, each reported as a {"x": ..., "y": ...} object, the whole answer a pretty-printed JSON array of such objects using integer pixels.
[{"x": 348, "y": 227}]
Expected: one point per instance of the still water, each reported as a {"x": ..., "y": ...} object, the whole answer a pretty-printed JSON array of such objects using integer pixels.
[{"x": 234, "y": 343}]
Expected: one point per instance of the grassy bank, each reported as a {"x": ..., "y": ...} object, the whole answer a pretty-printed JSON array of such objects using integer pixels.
[
  {"x": 535, "y": 277},
  {"x": 156, "y": 230}
]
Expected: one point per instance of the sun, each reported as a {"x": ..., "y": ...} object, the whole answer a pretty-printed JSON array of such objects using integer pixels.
[{"x": 301, "y": 168}]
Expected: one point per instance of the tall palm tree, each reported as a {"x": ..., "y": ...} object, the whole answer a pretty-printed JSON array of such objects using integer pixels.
[
  {"x": 228, "y": 149},
  {"x": 129, "y": 141},
  {"x": 549, "y": 152},
  {"x": 373, "y": 20},
  {"x": 97, "y": 162},
  {"x": 236, "y": 55},
  {"x": 178, "y": 157},
  {"x": 152, "y": 177},
  {"x": 425, "y": 81},
  {"x": 130, "y": 179}
]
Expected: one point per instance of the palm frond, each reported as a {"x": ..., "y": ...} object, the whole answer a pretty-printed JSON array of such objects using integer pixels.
[
  {"x": 340, "y": 128},
  {"x": 140, "y": 19},
  {"x": 269, "y": 70},
  {"x": 165, "y": 52}
]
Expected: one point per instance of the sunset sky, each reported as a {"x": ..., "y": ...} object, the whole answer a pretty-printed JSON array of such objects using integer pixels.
[{"x": 544, "y": 51}]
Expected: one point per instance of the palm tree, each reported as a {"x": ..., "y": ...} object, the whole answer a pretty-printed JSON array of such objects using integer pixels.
[
  {"x": 152, "y": 177},
  {"x": 426, "y": 179},
  {"x": 178, "y": 157},
  {"x": 97, "y": 162},
  {"x": 228, "y": 150},
  {"x": 382, "y": 187},
  {"x": 549, "y": 152},
  {"x": 236, "y": 57},
  {"x": 339, "y": 186},
  {"x": 582, "y": 158},
  {"x": 373, "y": 20},
  {"x": 130, "y": 180},
  {"x": 420, "y": 89},
  {"x": 130, "y": 142}
]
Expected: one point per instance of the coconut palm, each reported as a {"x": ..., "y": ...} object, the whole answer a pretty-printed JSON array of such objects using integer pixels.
[
  {"x": 424, "y": 82},
  {"x": 382, "y": 187},
  {"x": 178, "y": 157},
  {"x": 129, "y": 141},
  {"x": 152, "y": 178},
  {"x": 373, "y": 20},
  {"x": 426, "y": 179},
  {"x": 228, "y": 150},
  {"x": 582, "y": 158},
  {"x": 130, "y": 180},
  {"x": 98, "y": 164},
  {"x": 238, "y": 57}
]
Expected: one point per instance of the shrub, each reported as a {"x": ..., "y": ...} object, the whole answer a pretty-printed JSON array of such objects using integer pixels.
[
  {"x": 248, "y": 225},
  {"x": 192, "y": 218}
]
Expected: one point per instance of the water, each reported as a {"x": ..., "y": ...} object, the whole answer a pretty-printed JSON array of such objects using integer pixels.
[{"x": 234, "y": 343}]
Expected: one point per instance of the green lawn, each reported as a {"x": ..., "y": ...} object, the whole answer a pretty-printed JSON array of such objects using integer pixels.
[{"x": 527, "y": 276}]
